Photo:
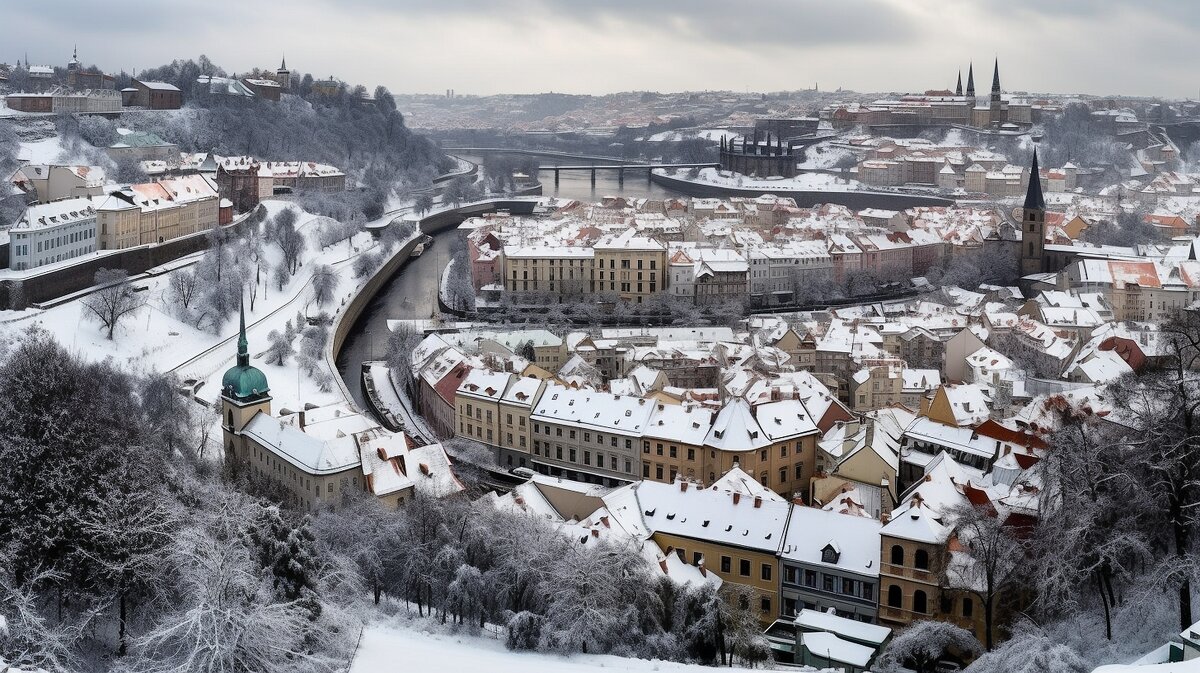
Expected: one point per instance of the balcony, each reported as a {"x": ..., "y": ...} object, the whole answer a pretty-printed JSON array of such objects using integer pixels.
[{"x": 924, "y": 576}]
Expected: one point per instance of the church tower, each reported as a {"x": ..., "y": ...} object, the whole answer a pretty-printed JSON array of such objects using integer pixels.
[
  {"x": 73, "y": 68},
  {"x": 998, "y": 114},
  {"x": 283, "y": 75},
  {"x": 971, "y": 84},
  {"x": 244, "y": 393},
  {"x": 958, "y": 87},
  {"x": 1033, "y": 223}
]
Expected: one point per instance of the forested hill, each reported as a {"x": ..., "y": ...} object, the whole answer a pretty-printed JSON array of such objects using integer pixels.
[{"x": 364, "y": 136}]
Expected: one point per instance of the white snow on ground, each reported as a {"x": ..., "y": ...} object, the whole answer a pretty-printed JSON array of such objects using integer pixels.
[
  {"x": 715, "y": 135},
  {"x": 48, "y": 151},
  {"x": 817, "y": 181},
  {"x": 824, "y": 155},
  {"x": 153, "y": 339},
  {"x": 394, "y": 647}
]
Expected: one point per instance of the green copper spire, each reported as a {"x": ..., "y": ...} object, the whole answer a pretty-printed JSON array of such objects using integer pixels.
[
  {"x": 243, "y": 355},
  {"x": 242, "y": 382}
]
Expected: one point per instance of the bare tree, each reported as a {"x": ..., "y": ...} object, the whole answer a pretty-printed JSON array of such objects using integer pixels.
[
  {"x": 182, "y": 286},
  {"x": 114, "y": 301}
]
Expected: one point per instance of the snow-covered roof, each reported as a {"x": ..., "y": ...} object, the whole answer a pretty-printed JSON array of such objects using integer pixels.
[
  {"x": 853, "y": 629},
  {"x": 855, "y": 540},
  {"x": 712, "y": 514}
]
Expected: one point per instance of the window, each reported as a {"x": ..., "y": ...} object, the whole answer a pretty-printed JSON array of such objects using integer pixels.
[
  {"x": 920, "y": 602},
  {"x": 897, "y": 555},
  {"x": 921, "y": 559},
  {"x": 783, "y": 450},
  {"x": 782, "y": 474},
  {"x": 645, "y": 470},
  {"x": 895, "y": 596},
  {"x": 810, "y": 578},
  {"x": 765, "y": 604},
  {"x": 799, "y": 470},
  {"x": 658, "y": 472},
  {"x": 691, "y": 455},
  {"x": 968, "y": 608},
  {"x": 744, "y": 568},
  {"x": 726, "y": 564},
  {"x": 697, "y": 558},
  {"x": 827, "y": 582},
  {"x": 945, "y": 604},
  {"x": 765, "y": 572},
  {"x": 764, "y": 455}
]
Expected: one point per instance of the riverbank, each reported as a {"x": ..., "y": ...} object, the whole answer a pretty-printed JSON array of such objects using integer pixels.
[
  {"x": 855, "y": 199},
  {"x": 353, "y": 341}
]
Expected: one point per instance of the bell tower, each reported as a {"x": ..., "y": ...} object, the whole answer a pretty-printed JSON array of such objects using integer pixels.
[
  {"x": 244, "y": 393},
  {"x": 1033, "y": 223}
]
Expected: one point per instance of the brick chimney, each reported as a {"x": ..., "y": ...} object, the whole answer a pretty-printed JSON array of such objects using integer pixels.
[
  {"x": 683, "y": 485},
  {"x": 737, "y": 497},
  {"x": 757, "y": 501}
]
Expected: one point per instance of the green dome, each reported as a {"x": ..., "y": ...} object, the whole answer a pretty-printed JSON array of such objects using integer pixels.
[{"x": 244, "y": 382}]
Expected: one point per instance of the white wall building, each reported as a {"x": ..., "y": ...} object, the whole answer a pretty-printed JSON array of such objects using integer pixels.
[{"x": 52, "y": 232}]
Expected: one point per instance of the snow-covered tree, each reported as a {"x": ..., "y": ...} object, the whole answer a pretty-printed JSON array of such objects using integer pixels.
[
  {"x": 923, "y": 644},
  {"x": 1030, "y": 650},
  {"x": 324, "y": 283},
  {"x": 279, "y": 347}
]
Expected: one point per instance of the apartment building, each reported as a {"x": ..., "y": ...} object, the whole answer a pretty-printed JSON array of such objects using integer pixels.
[
  {"x": 155, "y": 212},
  {"x": 51, "y": 232},
  {"x": 630, "y": 266},
  {"x": 588, "y": 435}
]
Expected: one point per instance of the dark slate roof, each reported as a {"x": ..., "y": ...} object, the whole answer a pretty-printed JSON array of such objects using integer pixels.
[{"x": 1033, "y": 195}]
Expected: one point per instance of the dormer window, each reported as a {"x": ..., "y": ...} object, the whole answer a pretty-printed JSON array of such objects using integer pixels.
[{"x": 829, "y": 554}]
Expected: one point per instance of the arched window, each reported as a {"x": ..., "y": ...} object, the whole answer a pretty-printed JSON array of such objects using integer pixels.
[
  {"x": 895, "y": 596},
  {"x": 897, "y": 555},
  {"x": 230, "y": 418},
  {"x": 921, "y": 559},
  {"x": 919, "y": 602}
]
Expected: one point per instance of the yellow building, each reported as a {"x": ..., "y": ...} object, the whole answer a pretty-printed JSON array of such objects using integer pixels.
[
  {"x": 731, "y": 528},
  {"x": 774, "y": 442},
  {"x": 673, "y": 443},
  {"x": 629, "y": 266},
  {"x": 155, "y": 212}
]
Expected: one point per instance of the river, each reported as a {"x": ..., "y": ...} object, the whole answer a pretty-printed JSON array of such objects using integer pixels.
[{"x": 412, "y": 292}]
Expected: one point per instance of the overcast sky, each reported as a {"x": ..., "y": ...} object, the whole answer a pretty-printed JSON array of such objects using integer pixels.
[{"x": 1146, "y": 47}]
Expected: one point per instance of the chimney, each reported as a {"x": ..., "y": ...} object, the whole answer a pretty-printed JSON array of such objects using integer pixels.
[
  {"x": 683, "y": 485},
  {"x": 595, "y": 533},
  {"x": 703, "y": 570},
  {"x": 757, "y": 501},
  {"x": 798, "y": 501},
  {"x": 604, "y": 520},
  {"x": 737, "y": 497},
  {"x": 301, "y": 417},
  {"x": 662, "y": 563}
]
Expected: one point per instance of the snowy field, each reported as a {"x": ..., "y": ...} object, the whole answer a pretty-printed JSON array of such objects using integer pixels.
[
  {"x": 400, "y": 646},
  {"x": 155, "y": 339}
]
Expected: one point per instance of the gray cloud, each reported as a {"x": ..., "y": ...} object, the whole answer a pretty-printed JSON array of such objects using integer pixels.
[{"x": 484, "y": 46}]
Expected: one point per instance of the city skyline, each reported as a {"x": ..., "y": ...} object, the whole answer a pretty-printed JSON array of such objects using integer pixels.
[{"x": 863, "y": 45}]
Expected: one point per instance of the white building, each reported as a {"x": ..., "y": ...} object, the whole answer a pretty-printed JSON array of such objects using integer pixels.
[{"x": 52, "y": 232}]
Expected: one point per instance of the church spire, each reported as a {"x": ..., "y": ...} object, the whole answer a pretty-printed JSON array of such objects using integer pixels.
[
  {"x": 971, "y": 80},
  {"x": 283, "y": 64},
  {"x": 243, "y": 355},
  {"x": 996, "y": 77},
  {"x": 1033, "y": 195},
  {"x": 958, "y": 88}
]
